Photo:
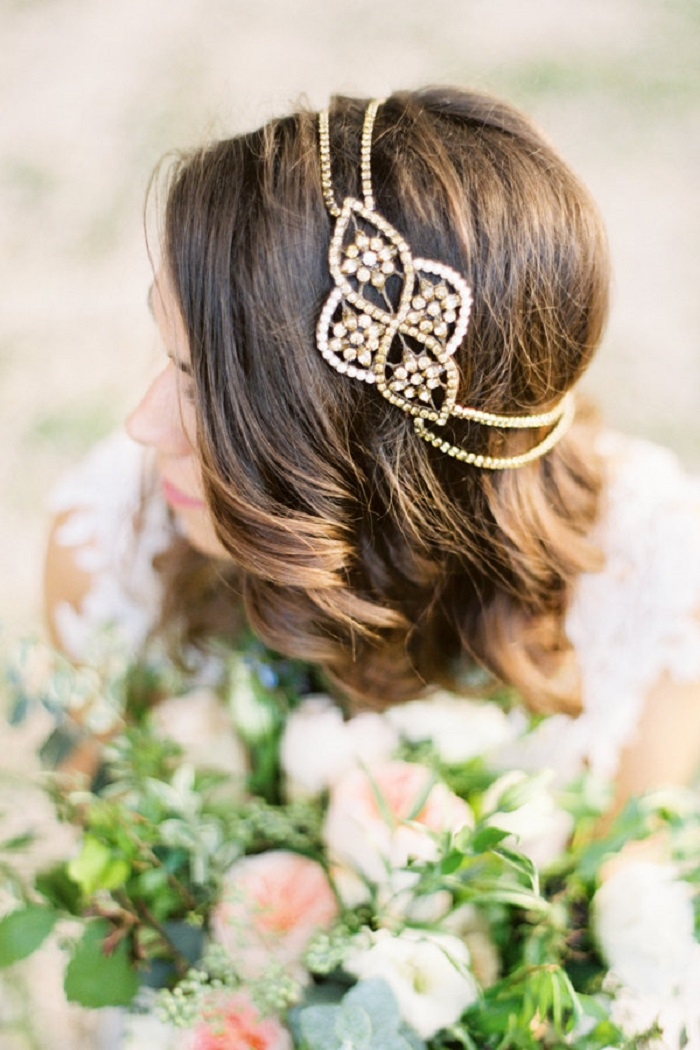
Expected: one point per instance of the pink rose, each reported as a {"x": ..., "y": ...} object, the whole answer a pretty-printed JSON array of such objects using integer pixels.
[
  {"x": 232, "y": 1022},
  {"x": 380, "y": 818},
  {"x": 271, "y": 906}
]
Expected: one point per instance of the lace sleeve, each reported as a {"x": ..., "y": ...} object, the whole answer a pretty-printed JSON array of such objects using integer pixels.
[
  {"x": 117, "y": 526},
  {"x": 639, "y": 618},
  {"x": 633, "y": 622}
]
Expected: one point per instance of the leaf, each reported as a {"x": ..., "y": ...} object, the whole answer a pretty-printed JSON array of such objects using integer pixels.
[
  {"x": 451, "y": 863},
  {"x": 96, "y": 868},
  {"x": 18, "y": 710},
  {"x": 58, "y": 745},
  {"x": 368, "y": 1018},
  {"x": 377, "y": 1001},
  {"x": 23, "y": 931},
  {"x": 593, "y": 1007},
  {"x": 486, "y": 838},
  {"x": 353, "y": 1027},
  {"x": 96, "y": 979},
  {"x": 58, "y": 887},
  {"x": 521, "y": 864},
  {"x": 18, "y": 842},
  {"x": 186, "y": 938},
  {"x": 317, "y": 1024},
  {"x": 520, "y": 898}
]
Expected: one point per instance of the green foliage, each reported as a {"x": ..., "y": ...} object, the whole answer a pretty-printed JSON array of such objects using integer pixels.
[
  {"x": 57, "y": 886},
  {"x": 100, "y": 972},
  {"x": 23, "y": 931},
  {"x": 157, "y": 837},
  {"x": 366, "y": 1018},
  {"x": 97, "y": 868},
  {"x": 480, "y": 869}
]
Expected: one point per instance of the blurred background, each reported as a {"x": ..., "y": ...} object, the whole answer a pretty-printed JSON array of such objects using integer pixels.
[{"x": 93, "y": 94}]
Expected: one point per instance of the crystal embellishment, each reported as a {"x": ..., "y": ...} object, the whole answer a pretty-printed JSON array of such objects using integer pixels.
[
  {"x": 396, "y": 321},
  {"x": 392, "y": 320}
]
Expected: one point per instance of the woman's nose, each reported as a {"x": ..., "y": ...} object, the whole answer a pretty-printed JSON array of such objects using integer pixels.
[{"x": 157, "y": 419}]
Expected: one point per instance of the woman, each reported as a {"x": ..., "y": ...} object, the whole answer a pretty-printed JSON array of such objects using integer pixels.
[
  {"x": 384, "y": 486},
  {"x": 366, "y": 441}
]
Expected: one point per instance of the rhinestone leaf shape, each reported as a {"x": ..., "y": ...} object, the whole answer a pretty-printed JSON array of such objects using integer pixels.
[{"x": 391, "y": 319}]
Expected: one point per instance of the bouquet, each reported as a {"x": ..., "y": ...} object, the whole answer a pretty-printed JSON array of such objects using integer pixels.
[{"x": 287, "y": 876}]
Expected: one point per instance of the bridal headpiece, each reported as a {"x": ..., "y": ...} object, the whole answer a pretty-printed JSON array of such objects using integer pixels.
[{"x": 396, "y": 321}]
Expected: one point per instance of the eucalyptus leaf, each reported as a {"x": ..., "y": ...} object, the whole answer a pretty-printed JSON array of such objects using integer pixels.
[
  {"x": 186, "y": 938},
  {"x": 353, "y": 1027},
  {"x": 367, "y": 1018},
  {"x": 377, "y": 1000},
  {"x": 317, "y": 1025}
]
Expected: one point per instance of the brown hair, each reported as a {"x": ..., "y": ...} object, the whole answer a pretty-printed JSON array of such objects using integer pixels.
[{"x": 358, "y": 546}]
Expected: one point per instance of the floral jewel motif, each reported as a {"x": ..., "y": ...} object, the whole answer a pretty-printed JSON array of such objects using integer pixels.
[
  {"x": 369, "y": 259},
  {"x": 396, "y": 321},
  {"x": 392, "y": 320}
]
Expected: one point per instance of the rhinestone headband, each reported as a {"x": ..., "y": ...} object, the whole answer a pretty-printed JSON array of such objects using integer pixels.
[{"x": 395, "y": 321}]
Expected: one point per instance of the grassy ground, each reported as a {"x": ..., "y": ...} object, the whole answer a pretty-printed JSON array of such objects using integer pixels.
[{"x": 93, "y": 94}]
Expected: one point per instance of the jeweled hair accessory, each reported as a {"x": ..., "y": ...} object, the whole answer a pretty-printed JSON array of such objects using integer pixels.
[{"x": 396, "y": 321}]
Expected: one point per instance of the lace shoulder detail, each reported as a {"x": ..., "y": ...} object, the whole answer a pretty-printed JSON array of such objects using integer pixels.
[
  {"x": 632, "y": 622},
  {"x": 639, "y": 618},
  {"x": 119, "y": 524}
]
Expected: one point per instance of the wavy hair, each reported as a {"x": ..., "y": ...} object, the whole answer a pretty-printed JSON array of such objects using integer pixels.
[{"x": 355, "y": 545}]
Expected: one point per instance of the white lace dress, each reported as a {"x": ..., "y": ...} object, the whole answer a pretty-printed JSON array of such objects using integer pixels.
[{"x": 632, "y": 623}]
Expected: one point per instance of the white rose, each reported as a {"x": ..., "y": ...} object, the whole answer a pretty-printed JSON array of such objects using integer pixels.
[
  {"x": 319, "y": 746},
  {"x": 199, "y": 723},
  {"x": 397, "y": 901},
  {"x": 459, "y": 728},
  {"x": 428, "y": 973},
  {"x": 643, "y": 922},
  {"x": 677, "y": 1016},
  {"x": 531, "y": 813},
  {"x": 636, "y": 1015}
]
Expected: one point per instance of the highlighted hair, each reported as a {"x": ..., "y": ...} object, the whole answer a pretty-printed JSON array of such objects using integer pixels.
[{"x": 358, "y": 546}]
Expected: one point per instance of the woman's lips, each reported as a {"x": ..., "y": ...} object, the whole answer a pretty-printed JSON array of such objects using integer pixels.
[{"x": 177, "y": 498}]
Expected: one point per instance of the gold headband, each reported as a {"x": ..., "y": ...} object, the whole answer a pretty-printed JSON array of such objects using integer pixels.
[{"x": 404, "y": 345}]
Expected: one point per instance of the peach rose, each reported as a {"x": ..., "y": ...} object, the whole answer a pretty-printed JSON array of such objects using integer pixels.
[
  {"x": 271, "y": 906},
  {"x": 232, "y": 1022},
  {"x": 380, "y": 818}
]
